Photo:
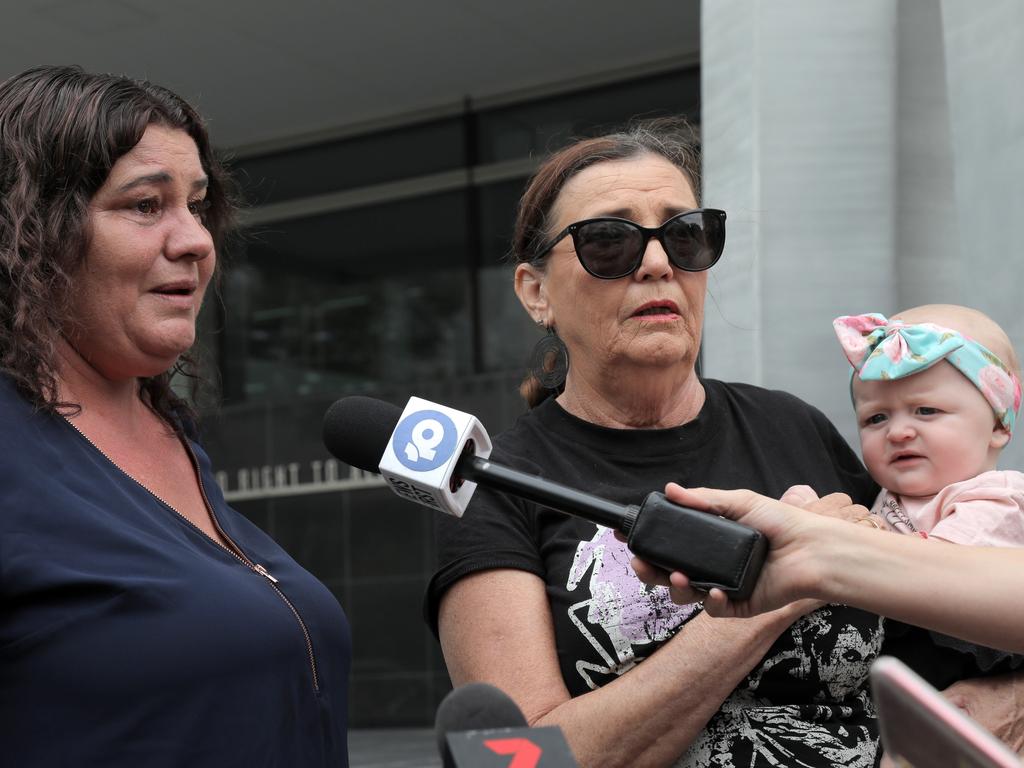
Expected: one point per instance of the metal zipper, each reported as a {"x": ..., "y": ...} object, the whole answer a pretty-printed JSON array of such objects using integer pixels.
[{"x": 234, "y": 550}]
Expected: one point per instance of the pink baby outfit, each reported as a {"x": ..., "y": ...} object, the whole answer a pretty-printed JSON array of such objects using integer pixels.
[{"x": 987, "y": 510}]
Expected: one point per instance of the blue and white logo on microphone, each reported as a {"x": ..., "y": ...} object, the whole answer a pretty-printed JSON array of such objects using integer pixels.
[{"x": 424, "y": 440}]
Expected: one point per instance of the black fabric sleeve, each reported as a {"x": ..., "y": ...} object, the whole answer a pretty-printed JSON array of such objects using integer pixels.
[
  {"x": 989, "y": 661},
  {"x": 494, "y": 532},
  {"x": 943, "y": 660}
]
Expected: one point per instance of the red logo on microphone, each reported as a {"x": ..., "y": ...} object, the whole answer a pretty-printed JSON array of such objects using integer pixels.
[{"x": 525, "y": 754}]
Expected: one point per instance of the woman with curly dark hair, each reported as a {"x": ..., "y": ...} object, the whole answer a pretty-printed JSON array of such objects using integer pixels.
[{"x": 143, "y": 620}]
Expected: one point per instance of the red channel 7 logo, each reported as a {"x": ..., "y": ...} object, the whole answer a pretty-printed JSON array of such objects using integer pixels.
[
  {"x": 543, "y": 747},
  {"x": 525, "y": 754}
]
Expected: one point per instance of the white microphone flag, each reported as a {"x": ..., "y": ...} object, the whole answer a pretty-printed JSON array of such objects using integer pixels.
[{"x": 423, "y": 451}]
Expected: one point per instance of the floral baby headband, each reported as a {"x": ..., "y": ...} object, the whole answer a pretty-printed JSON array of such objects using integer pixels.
[{"x": 881, "y": 349}]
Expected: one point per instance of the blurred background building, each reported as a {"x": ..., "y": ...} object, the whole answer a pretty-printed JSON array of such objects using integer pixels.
[{"x": 870, "y": 155}]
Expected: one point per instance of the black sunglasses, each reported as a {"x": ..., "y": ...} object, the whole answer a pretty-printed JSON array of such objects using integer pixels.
[{"x": 610, "y": 247}]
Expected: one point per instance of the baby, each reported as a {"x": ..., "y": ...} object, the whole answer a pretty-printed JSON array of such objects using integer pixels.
[{"x": 936, "y": 390}]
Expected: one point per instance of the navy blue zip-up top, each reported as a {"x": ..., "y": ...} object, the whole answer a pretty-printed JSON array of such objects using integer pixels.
[{"x": 130, "y": 638}]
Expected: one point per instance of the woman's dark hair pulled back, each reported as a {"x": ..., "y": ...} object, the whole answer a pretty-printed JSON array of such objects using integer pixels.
[
  {"x": 61, "y": 131},
  {"x": 672, "y": 138}
]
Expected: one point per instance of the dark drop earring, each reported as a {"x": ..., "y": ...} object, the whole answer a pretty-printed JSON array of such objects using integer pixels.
[{"x": 549, "y": 361}]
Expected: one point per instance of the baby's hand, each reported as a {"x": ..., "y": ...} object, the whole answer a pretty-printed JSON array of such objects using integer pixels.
[
  {"x": 834, "y": 505},
  {"x": 799, "y": 496}
]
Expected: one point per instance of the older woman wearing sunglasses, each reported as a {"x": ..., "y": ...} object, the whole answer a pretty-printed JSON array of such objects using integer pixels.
[{"x": 613, "y": 250}]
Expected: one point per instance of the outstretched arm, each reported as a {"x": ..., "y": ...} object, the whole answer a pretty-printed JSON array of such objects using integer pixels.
[{"x": 975, "y": 593}]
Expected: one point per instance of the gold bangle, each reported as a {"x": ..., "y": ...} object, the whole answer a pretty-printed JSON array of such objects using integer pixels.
[{"x": 870, "y": 520}]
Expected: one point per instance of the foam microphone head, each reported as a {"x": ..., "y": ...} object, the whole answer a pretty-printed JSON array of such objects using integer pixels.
[
  {"x": 357, "y": 430},
  {"x": 474, "y": 707},
  {"x": 417, "y": 451}
]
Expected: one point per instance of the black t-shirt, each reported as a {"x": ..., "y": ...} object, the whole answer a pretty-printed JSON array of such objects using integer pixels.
[{"x": 807, "y": 702}]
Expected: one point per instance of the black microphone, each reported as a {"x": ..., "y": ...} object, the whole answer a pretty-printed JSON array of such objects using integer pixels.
[
  {"x": 478, "y": 726},
  {"x": 473, "y": 707},
  {"x": 361, "y": 431}
]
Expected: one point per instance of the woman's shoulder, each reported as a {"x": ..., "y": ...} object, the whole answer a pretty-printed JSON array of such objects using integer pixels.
[
  {"x": 531, "y": 430},
  {"x": 770, "y": 403},
  {"x": 13, "y": 405},
  {"x": 778, "y": 418},
  {"x": 25, "y": 426}
]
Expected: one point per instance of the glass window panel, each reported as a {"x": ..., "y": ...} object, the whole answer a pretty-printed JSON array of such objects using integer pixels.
[
  {"x": 350, "y": 301},
  {"x": 400, "y": 153},
  {"x": 537, "y": 127},
  {"x": 506, "y": 330},
  {"x": 497, "y": 205}
]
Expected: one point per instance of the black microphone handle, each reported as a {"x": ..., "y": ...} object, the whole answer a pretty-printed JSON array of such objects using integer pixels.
[
  {"x": 546, "y": 492},
  {"x": 711, "y": 550}
]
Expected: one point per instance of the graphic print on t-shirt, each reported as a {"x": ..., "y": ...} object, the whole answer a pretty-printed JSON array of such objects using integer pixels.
[
  {"x": 620, "y": 612},
  {"x": 804, "y": 705}
]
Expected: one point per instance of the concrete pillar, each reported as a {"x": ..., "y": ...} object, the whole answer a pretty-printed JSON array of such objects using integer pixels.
[
  {"x": 984, "y": 56},
  {"x": 871, "y": 158},
  {"x": 798, "y": 113}
]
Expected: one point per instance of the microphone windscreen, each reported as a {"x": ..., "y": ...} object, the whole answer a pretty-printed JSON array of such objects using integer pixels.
[
  {"x": 357, "y": 430},
  {"x": 474, "y": 707}
]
